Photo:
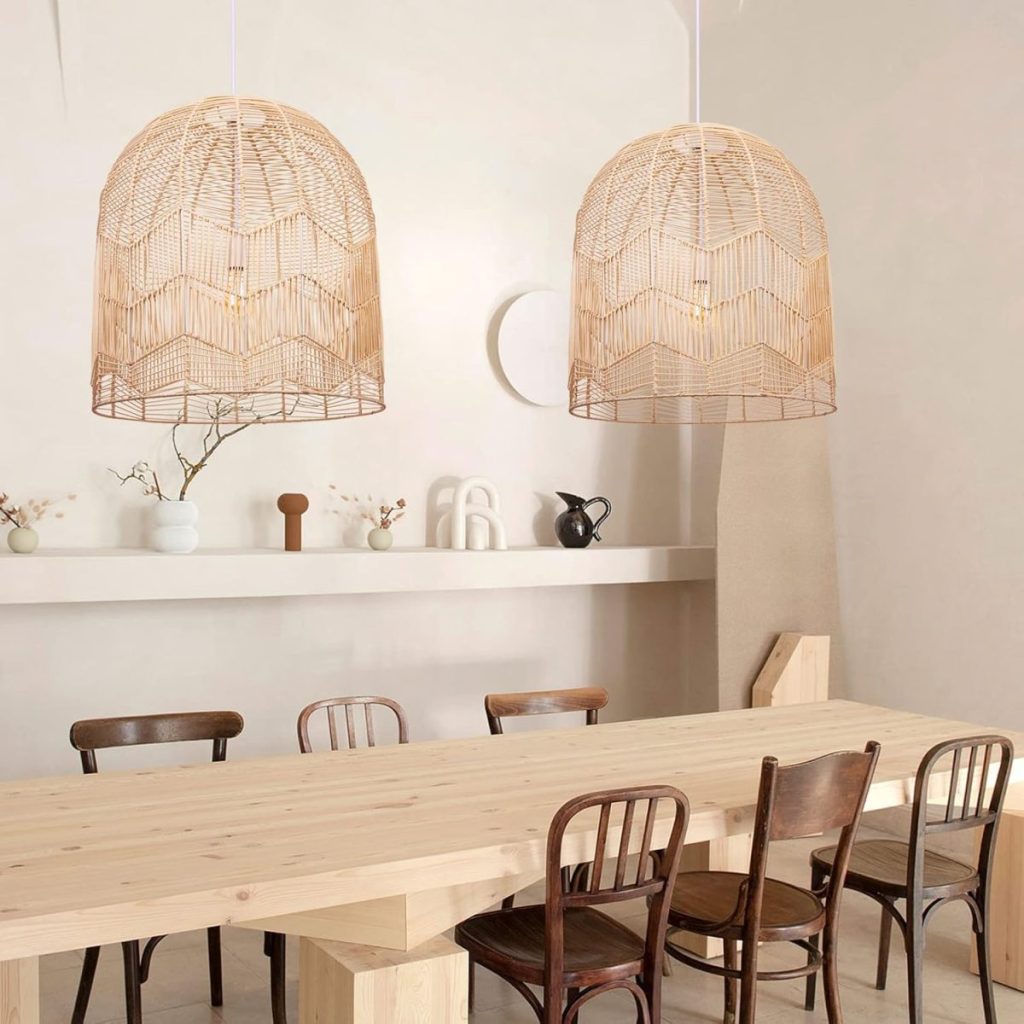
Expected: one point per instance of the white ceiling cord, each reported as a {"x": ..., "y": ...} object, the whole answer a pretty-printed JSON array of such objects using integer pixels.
[
  {"x": 234, "y": 47},
  {"x": 696, "y": 61}
]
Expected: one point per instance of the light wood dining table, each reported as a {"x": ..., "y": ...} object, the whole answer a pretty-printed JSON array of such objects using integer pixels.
[{"x": 371, "y": 855}]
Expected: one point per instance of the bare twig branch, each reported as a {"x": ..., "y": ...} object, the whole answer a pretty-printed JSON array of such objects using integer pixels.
[
  {"x": 220, "y": 410},
  {"x": 146, "y": 476},
  {"x": 211, "y": 440}
]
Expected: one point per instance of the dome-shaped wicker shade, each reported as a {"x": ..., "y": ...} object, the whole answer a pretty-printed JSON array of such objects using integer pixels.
[
  {"x": 236, "y": 267},
  {"x": 700, "y": 285}
]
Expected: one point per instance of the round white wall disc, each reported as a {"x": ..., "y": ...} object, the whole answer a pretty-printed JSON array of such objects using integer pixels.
[{"x": 533, "y": 347}]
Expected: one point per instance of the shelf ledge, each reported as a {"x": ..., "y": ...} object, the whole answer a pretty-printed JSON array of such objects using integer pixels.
[{"x": 78, "y": 576}]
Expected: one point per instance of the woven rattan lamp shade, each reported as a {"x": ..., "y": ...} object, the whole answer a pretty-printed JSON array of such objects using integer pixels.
[
  {"x": 236, "y": 263},
  {"x": 701, "y": 288}
]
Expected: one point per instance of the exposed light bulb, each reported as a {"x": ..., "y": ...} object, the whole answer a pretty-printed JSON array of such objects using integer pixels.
[
  {"x": 700, "y": 305},
  {"x": 234, "y": 297}
]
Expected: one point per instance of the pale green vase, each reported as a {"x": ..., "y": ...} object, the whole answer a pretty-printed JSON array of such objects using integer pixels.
[
  {"x": 379, "y": 540},
  {"x": 23, "y": 540}
]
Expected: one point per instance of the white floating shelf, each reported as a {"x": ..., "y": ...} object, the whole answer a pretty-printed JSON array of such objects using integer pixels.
[{"x": 75, "y": 576}]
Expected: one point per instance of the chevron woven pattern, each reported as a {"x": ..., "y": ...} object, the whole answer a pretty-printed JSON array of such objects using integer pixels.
[
  {"x": 236, "y": 266},
  {"x": 701, "y": 289}
]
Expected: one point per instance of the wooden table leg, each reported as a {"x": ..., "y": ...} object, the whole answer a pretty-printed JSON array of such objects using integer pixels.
[
  {"x": 1006, "y": 897},
  {"x": 19, "y": 991},
  {"x": 342, "y": 983}
]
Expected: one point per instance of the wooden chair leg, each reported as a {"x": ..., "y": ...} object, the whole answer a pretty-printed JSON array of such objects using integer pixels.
[
  {"x": 275, "y": 945},
  {"x": 471, "y": 1001},
  {"x": 811, "y": 985},
  {"x": 915, "y": 963},
  {"x": 553, "y": 1009},
  {"x": 132, "y": 982},
  {"x": 981, "y": 933},
  {"x": 648, "y": 1009},
  {"x": 216, "y": 970},
  {"x": 748, "y": 984},
  {"x": 92, "y": 956},
  {"x": 730, "y": 960},
  {"x": 830, "y": 978},
  {"x": 884, "y": 942}
]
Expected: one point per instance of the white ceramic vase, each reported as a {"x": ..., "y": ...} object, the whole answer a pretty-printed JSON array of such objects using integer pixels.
[
  {"x": 379, "y": 540},
  {"x": 174, "y": 527},
  {"x": 23, "y": 540}
]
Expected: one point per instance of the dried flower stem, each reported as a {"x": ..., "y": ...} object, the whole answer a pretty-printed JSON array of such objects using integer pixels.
[
  {"x": 382, "y": 516},
  {"x": 30, "y": 511}
]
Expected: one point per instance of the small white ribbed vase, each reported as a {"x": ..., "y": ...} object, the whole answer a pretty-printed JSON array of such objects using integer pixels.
[{"x": 174, "y": 527}]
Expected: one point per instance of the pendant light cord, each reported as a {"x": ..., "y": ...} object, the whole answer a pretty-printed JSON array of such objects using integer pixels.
[
  {"x": 234, "y": 47},
  {"x": 696, "y": 61}
]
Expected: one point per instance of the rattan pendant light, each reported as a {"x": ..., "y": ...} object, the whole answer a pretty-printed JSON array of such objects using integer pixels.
[
  {"x": 701, "y": 290},
  {"x": 236, "y": 268}
]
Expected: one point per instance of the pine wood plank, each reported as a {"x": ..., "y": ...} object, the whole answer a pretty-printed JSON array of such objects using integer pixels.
[
  {"x": 1006, "y": 908},
  {"x": 342, "y": 983},
  {"x": 397, "y": 922},
  {"x": 796, "y": 672},
  {"x": 86, "y": 860},
  {"x": 19, "y": 991}
]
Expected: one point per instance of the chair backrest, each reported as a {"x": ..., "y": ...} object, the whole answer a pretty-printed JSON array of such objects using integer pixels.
[
  {"x": 590, "y": 699},
  {"x": 969, "y": 763},
  {"x": 802, "y": 800},
  {"x": 330, "y": 706},
  {"x": 610, "y": 877},
  {"x": 92, "y": 734}
]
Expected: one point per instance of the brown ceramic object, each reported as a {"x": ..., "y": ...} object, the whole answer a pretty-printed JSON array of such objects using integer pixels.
[{"x": 293, "y": 505}]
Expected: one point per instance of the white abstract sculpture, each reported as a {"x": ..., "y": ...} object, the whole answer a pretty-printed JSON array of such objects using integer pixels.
[{"x": 472, "y": 524}]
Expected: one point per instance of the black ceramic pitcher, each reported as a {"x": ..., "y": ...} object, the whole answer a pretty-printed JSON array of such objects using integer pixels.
[{"x": 573, "y": 527}]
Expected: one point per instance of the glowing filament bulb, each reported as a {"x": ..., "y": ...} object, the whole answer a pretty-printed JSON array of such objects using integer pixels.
[
  {"x": 234, "y": 297},
  {"x": 700, "y": 307}
]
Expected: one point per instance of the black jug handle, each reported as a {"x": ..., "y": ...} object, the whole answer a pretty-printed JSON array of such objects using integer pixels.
[{"x": 607, "y": 512}]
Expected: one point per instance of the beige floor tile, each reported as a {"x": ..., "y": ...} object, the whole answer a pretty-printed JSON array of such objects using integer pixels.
[
  {"x": 179, "y": 977},
  {"x": 60, "y": 962},
  {"x": 253, "y": 1006},
  {"x": 247, "y": 946}
]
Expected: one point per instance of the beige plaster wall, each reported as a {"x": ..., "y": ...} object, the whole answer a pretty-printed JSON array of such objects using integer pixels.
[
  {"x": 906, "y": 119},
  {"x": 478, "y": 128}
]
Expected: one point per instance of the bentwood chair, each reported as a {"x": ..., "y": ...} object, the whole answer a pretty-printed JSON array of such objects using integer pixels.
[
  {"x": 793, "y": 801},
  {"x": 590, "y": 699},
  {"x": 567, "y": 946},
  {"x": 87, "y": 737},
  {"x": 889, "y": 870},
  {"x": 329, "y": 707}
]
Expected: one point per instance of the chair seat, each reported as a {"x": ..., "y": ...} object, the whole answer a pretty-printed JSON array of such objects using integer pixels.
[
  {"x": 702, "y": 900},
  {"x": 880, "y": 865},
  {"x": 511, "y": 943}
]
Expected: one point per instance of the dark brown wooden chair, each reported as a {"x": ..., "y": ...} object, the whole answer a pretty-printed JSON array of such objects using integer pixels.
[
  {"x": 91, "y": 735},
  {"x": 329, "y": 707},
  {"x": 889, "y": 870},
  {"x": 793, "y": 801},
  {"x": 590, "y": 699},
  {"x": 567, "y": 946}
]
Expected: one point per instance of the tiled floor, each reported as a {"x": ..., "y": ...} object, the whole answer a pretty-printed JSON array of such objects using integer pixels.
[{"x": 177, "y": 991}]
